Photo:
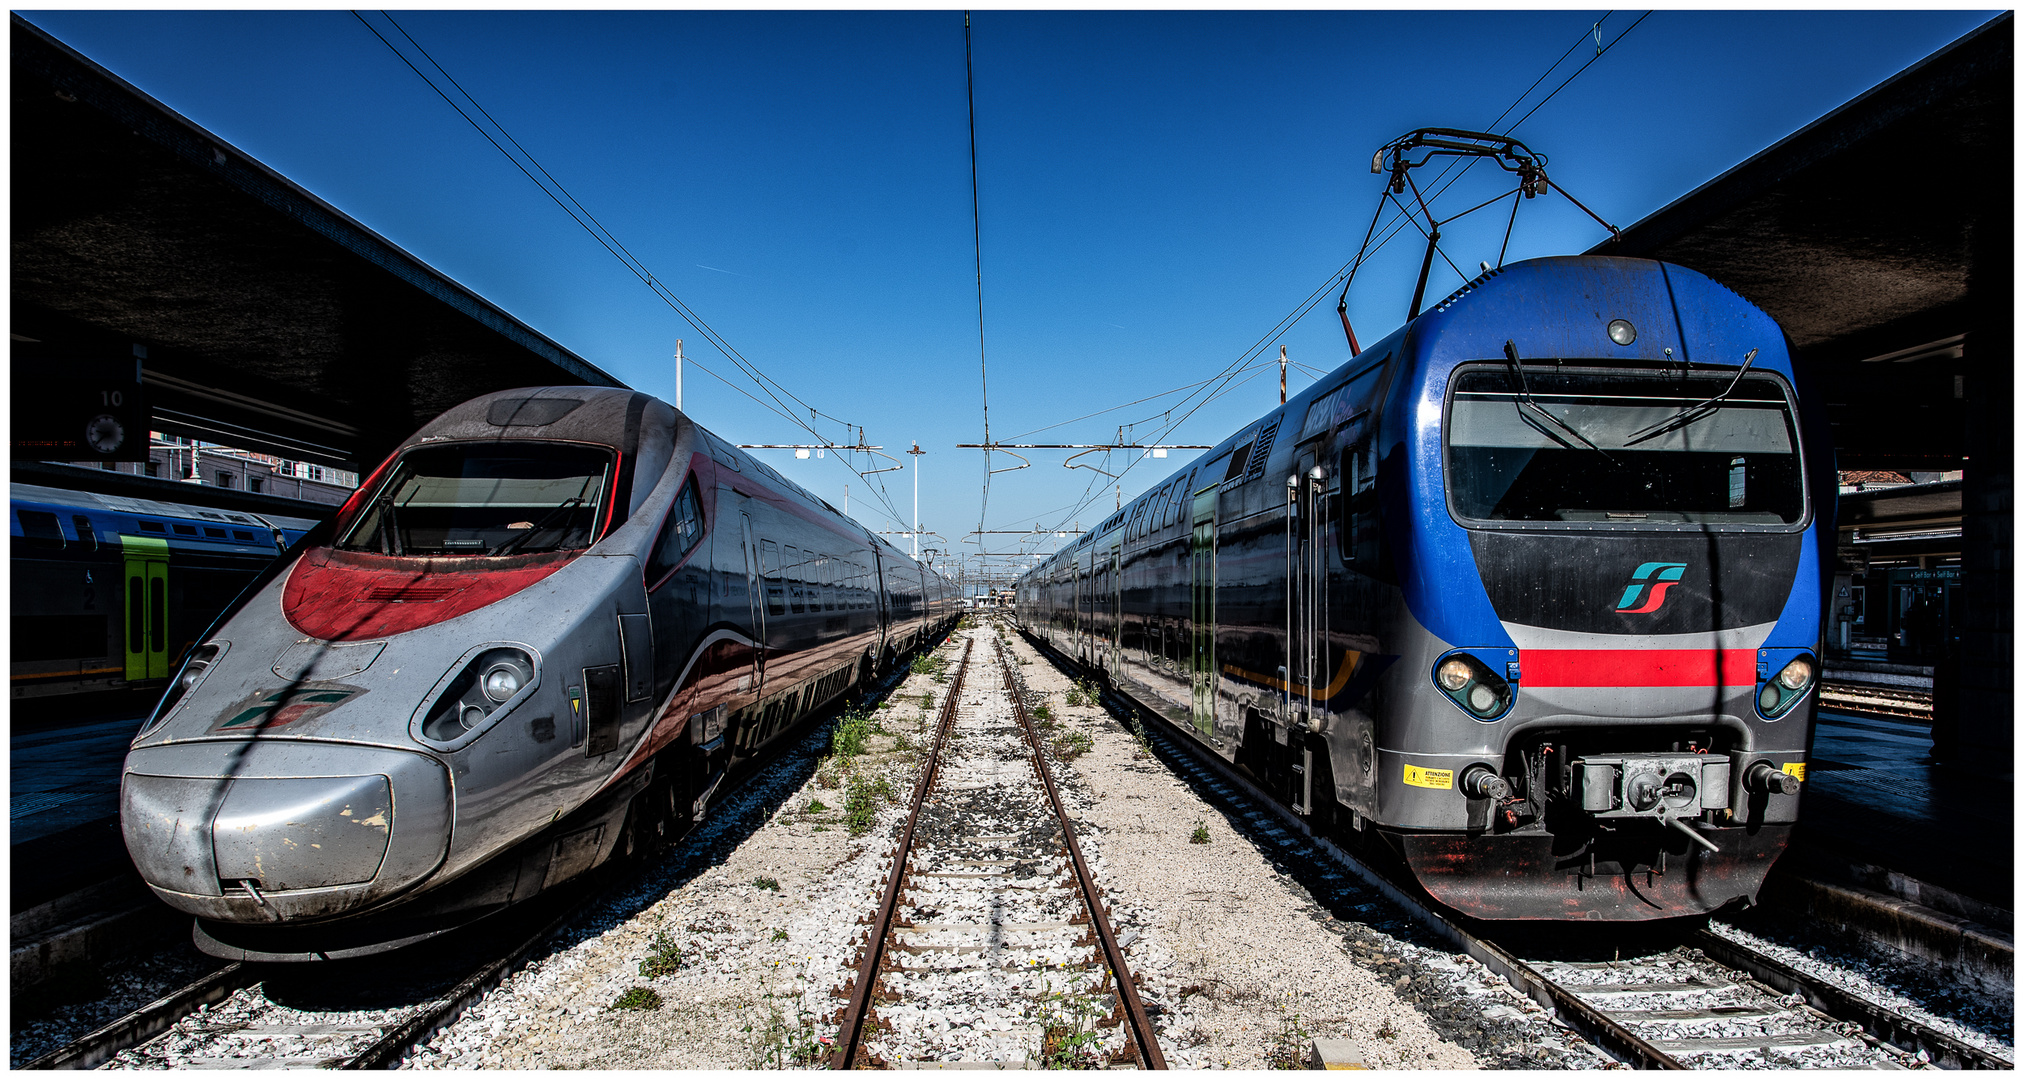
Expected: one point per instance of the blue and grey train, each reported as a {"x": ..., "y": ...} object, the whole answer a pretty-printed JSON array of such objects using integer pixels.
[
  {"x": 541, "y": 636},
  {"x": 1527, "y": 596},
  {"x": 109, "y": 590}
]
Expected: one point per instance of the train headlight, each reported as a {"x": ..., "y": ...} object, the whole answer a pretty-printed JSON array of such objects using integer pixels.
[
  {"x": 503, "y": 681},
  {"x": 483, "y": 685},
  {"x": 1788, "y": 688},
  {"x": 1796, "y": 674},
  {"x": 1470, "y": 684},
  {"x": 1455, "y": 674}
]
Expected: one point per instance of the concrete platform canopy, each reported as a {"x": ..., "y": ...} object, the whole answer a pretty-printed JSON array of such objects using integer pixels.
[
  {"x": 263, "y": 317},
  {"x": 1881, "y": 236}
]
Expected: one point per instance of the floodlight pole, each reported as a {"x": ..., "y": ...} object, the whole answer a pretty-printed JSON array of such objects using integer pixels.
[{"x": 678, "y": 374}]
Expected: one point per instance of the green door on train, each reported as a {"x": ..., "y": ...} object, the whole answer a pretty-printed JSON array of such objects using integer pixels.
[
  {"x": 146, "y": 607},
  {"x": 1202, "y": 560}
]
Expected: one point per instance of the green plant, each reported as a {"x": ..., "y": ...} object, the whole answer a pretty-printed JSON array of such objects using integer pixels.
[
  {"x": 930, "y": 665},
  {"x": 815, "y": 806},
  {"x": 664, "y": 957},
  {"x": 766, "y": 883},
  {"x": 1201, "y": 833},
  {"x": 645, "y": 998},
  {"x": 1138, "y": 731},
  {"x": 826, "y": 775},
  {"x": 902, "y": 744},
  {"x": 1084, "y": 692},
  {"x": 852, "y": 728},
  {"x": 780, "y": 935},
  {"x": 780, "y": 1043},
  {"x": 1043, "y": 714},
  {"x": 1071, "y": 744},
  {"x": 1289, "y": 1045},
  {"x": 927, "y": 701},
  {"x": 862, "y": 800},
  {"x": 1068, "y": 1034}
]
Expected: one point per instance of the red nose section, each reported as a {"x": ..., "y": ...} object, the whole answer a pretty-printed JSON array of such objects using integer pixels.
[{"x": 346, "y": 596}]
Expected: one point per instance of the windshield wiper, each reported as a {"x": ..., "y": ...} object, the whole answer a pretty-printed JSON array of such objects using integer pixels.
[
  {"x": 1693, "y": 413},
  {"x": 544, "y": 522},
  {"x": 1526, "y": 402}
]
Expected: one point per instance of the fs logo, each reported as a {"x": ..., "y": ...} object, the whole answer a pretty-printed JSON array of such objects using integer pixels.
[{"x": 1647, "y": 589}]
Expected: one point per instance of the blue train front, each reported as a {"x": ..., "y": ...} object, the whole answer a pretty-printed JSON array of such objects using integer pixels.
[{"x": 1530, "y": 592}]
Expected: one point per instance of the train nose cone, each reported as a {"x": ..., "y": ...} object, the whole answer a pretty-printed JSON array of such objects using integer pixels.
[
  {"x": 303, "y": 833},
  {"x": 202, "y": 820},
  {"x": 278, "y": 833}
]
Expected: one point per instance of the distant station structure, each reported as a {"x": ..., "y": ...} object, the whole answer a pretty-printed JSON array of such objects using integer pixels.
[
  {"x": 1881, "y": 237},
  {"x": 249, "y": 312}
]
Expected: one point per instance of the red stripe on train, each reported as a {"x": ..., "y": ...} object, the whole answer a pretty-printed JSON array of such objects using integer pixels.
[{"x": 1638, "y": 667}]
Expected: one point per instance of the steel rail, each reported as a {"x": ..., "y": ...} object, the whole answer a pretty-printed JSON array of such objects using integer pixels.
[
  {"x": 1895, "y": 1028},
  {"x": 1134, "y": 1008},
  {"x": 850, "y": 1029},
  {"x": 1864, "y": 699},
  {"x": 1593, "y": 1024},
  {"x": 101, "y": 1045},
  {"x": 95, "y": 1048}
]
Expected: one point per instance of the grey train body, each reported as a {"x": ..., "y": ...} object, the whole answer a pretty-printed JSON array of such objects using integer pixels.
[{"x": 542, "y": 635}]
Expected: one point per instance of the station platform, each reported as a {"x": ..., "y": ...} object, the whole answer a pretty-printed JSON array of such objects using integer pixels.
[
  {"x": 63, "y": 808},
  {"x": 1875, "y": 799}
]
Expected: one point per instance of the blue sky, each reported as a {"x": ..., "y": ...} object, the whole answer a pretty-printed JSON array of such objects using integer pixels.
[{"x": 1158, "y": 190}]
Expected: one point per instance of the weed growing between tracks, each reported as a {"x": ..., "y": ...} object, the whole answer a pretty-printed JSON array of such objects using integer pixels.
[
  {"x": 781, "y": 1043},
  {"x": 1289, "y": 1044},
  {"x": 664, "y": 957},
  {"x": 1068, "y": 1035},
  {"x": 639, "y": 997}
]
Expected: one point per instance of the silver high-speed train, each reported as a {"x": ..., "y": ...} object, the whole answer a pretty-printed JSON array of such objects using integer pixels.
[{"x": 540, "y": 636}]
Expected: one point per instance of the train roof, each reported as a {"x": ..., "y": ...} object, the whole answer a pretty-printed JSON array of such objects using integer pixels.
[{"x": 121, "y": 504}]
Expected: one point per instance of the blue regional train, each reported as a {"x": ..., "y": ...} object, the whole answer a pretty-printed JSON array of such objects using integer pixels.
[
  {"x": 1529, "y": 593},
  {"x": 111, "y": 591}
]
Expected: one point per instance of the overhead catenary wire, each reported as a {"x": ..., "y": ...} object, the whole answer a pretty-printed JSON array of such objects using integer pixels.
[
  {"x": 568, "y": 203},
  {"x": 1396, "y": 226},
  {"x": 977, "y": 245}
]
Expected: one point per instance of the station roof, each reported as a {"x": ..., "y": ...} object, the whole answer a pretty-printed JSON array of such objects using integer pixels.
[
  {"x": 267, "y": 319},
  {"x": 1876, "y": 236}
]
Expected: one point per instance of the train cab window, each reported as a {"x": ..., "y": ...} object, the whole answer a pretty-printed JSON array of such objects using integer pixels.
[
  {"x": 486, "y": 499},
  {"x": 40, "y": 530},
  {"x": 776, "y": 589},
  {"x": 679, "y": 535},
  {"x": 796, "y": 595},
  {"x": 1628, "y": 449}
]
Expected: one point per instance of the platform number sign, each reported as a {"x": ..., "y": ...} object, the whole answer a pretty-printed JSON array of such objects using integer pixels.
[{"x": 78, "y": 410}]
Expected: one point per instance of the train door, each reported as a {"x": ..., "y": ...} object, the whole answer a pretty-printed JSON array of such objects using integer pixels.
[
  {"x": 147, "y": 607},
  {"x": 1202, "y": 608},
  {"x": 1115, "y": 561},
  {"x": 755, "y": 604},
  {"x": 1075, "y": 587}
]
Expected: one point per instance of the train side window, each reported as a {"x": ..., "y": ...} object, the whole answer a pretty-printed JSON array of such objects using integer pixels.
[
  {"x": 87, "y": 537},
  {"x": 796, "y": 599},
  {"x": 776, "y": 590},
  {"x": 679, "y": 535},
  {"x": 40, "y": 530},
  {"x": 828, "y": 582}
]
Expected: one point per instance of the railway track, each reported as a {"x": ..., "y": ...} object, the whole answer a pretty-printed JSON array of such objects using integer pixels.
[
  {"x": 353, "y": 1014},
  {"x": 1870, "y": 700},
  {"x": 1706, "y": 1001},
  {"x": 991, "y": 938}
]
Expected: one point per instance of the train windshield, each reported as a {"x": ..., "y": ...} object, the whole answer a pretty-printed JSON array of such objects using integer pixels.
[
  {"x": 486, "y": 499},
  {"x": 1610, "y": 447}
]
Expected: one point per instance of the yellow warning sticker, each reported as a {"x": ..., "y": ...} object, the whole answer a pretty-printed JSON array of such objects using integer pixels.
[
  {"x": 1444, "y": 779},
  {"x": 1796, "y": 770}
]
